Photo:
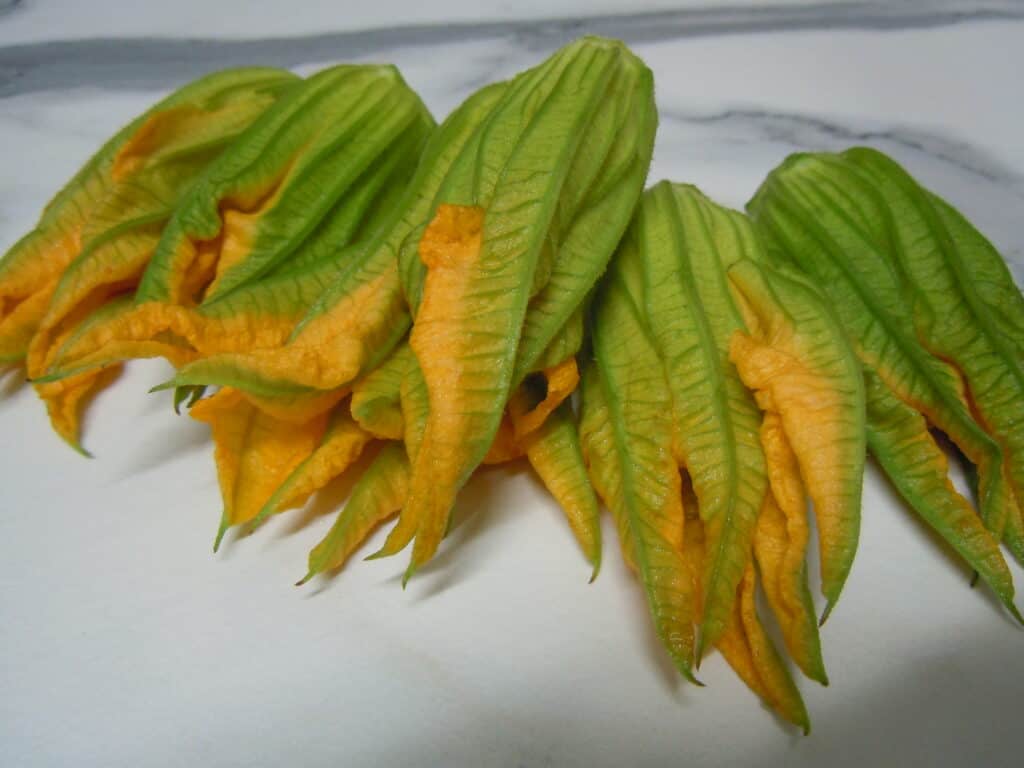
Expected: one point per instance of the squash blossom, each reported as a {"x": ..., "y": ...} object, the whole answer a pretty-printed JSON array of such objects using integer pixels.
[
  {"x": 521, "y": 230},
  {"x": 29, "y": 271},
  {"x": 97, "y": 235},
  {"x": 936, "y": 321},
  {"x": 665, "y": 411},
  {"x": 966, "y": 311},
  {"x": 268, "y": 225}
]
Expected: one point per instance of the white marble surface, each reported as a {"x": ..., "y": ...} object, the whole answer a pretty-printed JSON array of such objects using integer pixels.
[
  {"x": 39, "y": 21},
  {"x": 124, "y": 642}
]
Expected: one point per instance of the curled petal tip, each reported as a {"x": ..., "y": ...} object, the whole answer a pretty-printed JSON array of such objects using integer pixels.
[
  {"x": 693, "y": 680},
  {"x": 72, "y": 441}
]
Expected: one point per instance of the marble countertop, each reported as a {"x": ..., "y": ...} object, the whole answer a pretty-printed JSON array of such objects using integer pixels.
[{"x": 123, "y": 641}]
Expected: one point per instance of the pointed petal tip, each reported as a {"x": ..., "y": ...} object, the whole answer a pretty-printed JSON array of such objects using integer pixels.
[
  {"x": 224, "y": 525},
  {"x": 408, "y": 574},
  {"x": 305, "y": 579},
  {"x": 816, "y": 672},
  {"x": 72, "y": 441},
  {"x": 826, "y": 613},
  {"x": 77, "y": 448},
  {"x": 163, "y": 387}
]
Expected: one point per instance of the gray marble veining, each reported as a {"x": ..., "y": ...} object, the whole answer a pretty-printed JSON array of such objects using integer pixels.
[{"x": 156, "y": 62}]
